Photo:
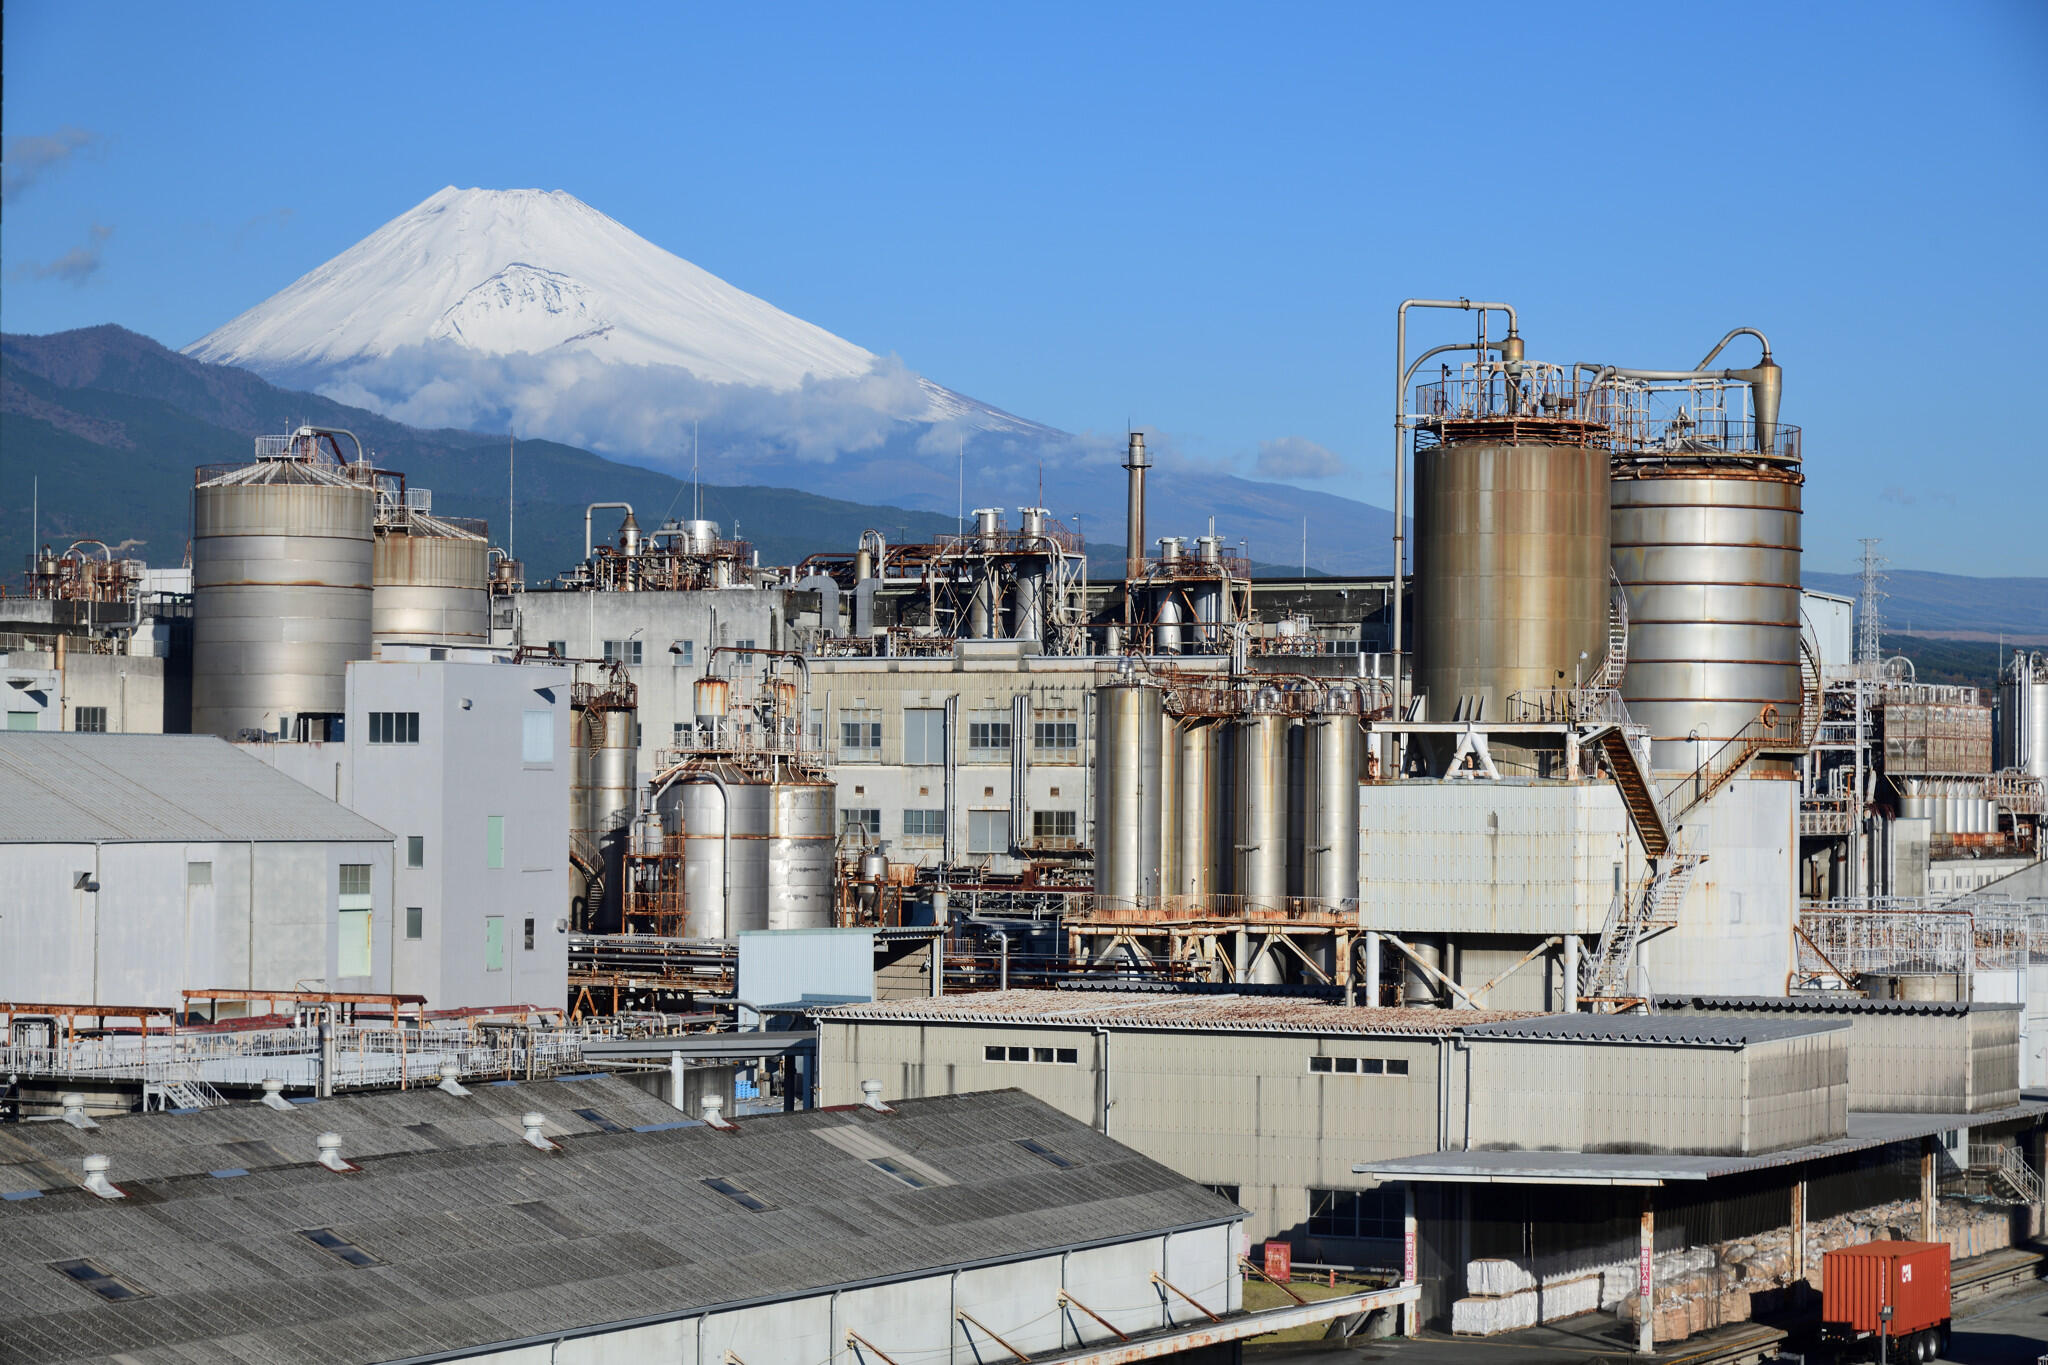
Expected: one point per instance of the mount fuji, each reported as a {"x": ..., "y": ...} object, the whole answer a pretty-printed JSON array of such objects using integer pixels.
[{"x": 530, "y": 311}]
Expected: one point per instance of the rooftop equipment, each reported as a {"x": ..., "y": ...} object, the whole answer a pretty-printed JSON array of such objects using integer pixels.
[{"x": 2023, "y": 715}]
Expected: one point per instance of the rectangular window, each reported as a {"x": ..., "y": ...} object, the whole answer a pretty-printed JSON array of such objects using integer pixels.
[
  {"x": 494, "y": 841},
  {"x": 988, "y": 734},
  {"x": 860, "y": 734},
  {"x": 529, "y": 933},
  {"x": 868, "y": 821},
  {"x": 1067, "y": 1056},
  {"x": 1043, "y": 1152},
  {"x": 1397, "y": 1066},
  {"x": 99, "y": 1281},
  {"x": 684, "y": 653},
  {"x": 89, "y": 720},
  {"x": 992, "y": 1053},
  {"x": 394, "y": 727},
  {"x": 415, "y": 850},
  {"x": 537, "y": 737},
  {"x": 559, "y": 648},
  {"x": 494, "y": 943},
  {"x": 355, "y": 881},
  {"x": 988, "y": 831},
  {"x": 1319, "y": 1064},
  {"x": 1054, "y": 824},
  {"x": 622, "y": 651},
  {"x": 746, "y": 649},
  {"x": 1376, "y": 1214},
  {"x": 1060, "y": 735},
  {"x": 327, "y": 1239},
  {"x": 1229, "y": 1192},
  {"x": 899, "y": 1170},
  {"x": 415, "y": 922},
  {"x": 924, "y": 824},
  {"x": 1347, "y": 1066},
  {"x": 738, "y": 1193},
  {"x": 199, "y": 874},
  {"x": 924, "y": 734},
  {"x": 21, "y": 720}
]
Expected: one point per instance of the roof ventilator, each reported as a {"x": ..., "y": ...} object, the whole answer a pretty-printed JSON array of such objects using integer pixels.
[
  {"x": 713, "y": 1109},
  {"x": 74, "y": 1112},
  {"x": 871, "y": 1096},
  {"x": 273, "y": 1095},
  {"x": 451, "y": 1082},
  {"x": 532, "y": 1122},
  {"x": 329, "y": 1145},
  {"x": 96, "y": 1167}
]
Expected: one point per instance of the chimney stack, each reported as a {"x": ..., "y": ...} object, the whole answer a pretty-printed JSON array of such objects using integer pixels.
[{"x": 1134, "y": 508}]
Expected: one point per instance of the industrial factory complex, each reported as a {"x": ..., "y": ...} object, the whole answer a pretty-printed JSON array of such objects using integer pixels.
[{"x": 971, "y": 951}]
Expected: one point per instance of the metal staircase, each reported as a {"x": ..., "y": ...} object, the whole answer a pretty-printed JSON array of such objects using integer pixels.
[
  {"x": 1724, "y": 763},
  {"x": 188, "y": 1094},
  {"x": 1649, "y": 910},
  {"x": 1616, "y": 662},
  {"x": 2001, "y": 1165},
  {"x": 1645, "y": 812}
]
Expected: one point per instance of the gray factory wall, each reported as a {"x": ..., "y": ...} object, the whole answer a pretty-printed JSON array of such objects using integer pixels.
[
  {"x": 1608, "y": 1097},
  {"x": 154, "y": 929},
  {"x": 125, "y": 691},
  {"x": 1234, "y": 1109},
  {"x": 1734, "y": 934},
  {"x": 917, "y": 1317},
  {"x": 1915, "y": 1063}
]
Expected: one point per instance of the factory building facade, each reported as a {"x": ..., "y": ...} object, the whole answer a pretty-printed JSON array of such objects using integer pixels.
[
  {"x": 466, "y": 758},
  {"x": 136, "y": 867}
]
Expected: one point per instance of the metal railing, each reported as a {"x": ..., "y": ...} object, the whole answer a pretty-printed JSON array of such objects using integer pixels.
[
  {"x": 1599, "y": 705},
  {"x": 2008, "y": 1165}
]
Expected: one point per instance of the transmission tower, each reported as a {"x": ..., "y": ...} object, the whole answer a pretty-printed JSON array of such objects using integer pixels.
[{"x": 1870, "y": 623}]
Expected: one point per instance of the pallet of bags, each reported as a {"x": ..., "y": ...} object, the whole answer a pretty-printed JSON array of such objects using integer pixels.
[{"x": 1484, "y": 1315}]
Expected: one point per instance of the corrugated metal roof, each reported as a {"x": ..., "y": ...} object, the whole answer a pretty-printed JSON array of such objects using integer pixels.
[
  {"x": 1866, "y": 1130},
  {"x": 496, "y": 1242},
  {"x": 72, "y": 788},
  {"x": 1143, "y": 1010},
  {"x": 1663, "y": 1029},
  {"x": 1831, "y": 1003}
]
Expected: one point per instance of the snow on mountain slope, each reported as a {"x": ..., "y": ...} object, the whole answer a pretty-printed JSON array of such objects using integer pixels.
[{"x": 537, "y": 272}]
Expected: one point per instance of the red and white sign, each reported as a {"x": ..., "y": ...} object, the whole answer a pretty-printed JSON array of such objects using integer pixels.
[
  {"x": 1408, "y": 1255},
  {"x": 1643, "y": 1274},
  {"x": 1279, "y": 1261}
]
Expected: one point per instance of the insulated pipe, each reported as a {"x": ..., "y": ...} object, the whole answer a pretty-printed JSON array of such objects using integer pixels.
[
  {"x": 1402, "y": 371},
  {"x": 586, "y": 521},
  {"x": 1134, "y": 508},
  {"x": 336, "y": 431}
]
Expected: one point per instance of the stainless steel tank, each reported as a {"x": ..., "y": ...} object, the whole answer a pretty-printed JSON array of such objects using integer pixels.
[
  {"x": 614, "y": 771},
  {"x": 726, "y": 824},
  {"x": 1170, "y": 874},
  {"x": 1259, "y": 828},
  {"x": 800, "y": 836},
  {"x": 1511, "y": 571},
  {"x": 2023, "y": 715},
  {"x": 1198, "y": 790},
  {"x": 700, "y": 537},
  {"x": 1708, "y": 555},
  {"x": 1028, "y": 602},
  {"x": 431, "y": 588},
  {"x": 282, "y": 568},
  {"x": 1128, "y": 799},
  {"x": 1330, "y": 861}
]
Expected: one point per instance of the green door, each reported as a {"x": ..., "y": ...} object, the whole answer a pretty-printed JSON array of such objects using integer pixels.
[
  {"x": 494, "y": 943},
  {"x": 21, "y": 720}
]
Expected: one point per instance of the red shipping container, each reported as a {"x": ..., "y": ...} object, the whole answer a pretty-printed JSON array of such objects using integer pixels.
[{"x": 1910, "y": 1278}]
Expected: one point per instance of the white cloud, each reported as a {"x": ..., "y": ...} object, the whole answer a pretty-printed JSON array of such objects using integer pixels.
[{"x": 1297, "y": 457}]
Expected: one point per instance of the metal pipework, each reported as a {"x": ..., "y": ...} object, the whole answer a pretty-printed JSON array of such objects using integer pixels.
[
  {"x": 1766, "y": 382},
  {"x": 586, "y": 523},
  {"x": 1134, "y": 507},
  {"x": 361, "y": 458},
  {"x": 1402, "y": 372}
]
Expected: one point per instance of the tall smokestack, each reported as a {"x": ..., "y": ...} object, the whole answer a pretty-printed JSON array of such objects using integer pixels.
[{"x": 1134, "y": 519}]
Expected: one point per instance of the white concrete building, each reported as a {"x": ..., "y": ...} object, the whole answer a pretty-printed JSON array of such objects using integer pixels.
[
  {"x": 465, "y": 758},
  {"x": 136, "y": 867}
]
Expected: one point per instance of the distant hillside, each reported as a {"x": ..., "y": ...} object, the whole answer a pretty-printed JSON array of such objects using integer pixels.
[
  {"x": 1951, "y": 605},
  {"x": 104, "y": 427}
]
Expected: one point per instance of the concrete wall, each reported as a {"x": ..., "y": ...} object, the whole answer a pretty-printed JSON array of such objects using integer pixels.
[
  {"x": 267, "y": 916},
  {"x": 129, "y": 688},
  {"x": 914, "y": 1318},
  {"x": 1464, "y": 857},
  {"x": 1734, "y": 934},
  {"x": 1605, "y": 1097},
  {"x": 1221, "y": 1108},
  {"x": 467, "y": 767}
]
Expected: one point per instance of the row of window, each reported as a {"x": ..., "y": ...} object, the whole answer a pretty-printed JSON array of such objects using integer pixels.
[
  {"x": 924, "y": 735},
  {"x": 1359, "y": 1066},
  {"x": 931, "y": 824},
  {"x": 536, "y": 732},
  {"x": 681, "y": 653},
  {"x": 1058, "y": 1056}
]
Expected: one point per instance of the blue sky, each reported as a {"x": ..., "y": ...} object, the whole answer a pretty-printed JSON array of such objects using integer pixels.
[{"x": 1195, "y": 218}]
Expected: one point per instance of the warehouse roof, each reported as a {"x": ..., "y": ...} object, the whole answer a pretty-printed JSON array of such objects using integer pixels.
[
  {"x": 1666, "y": 1030},
  {"x": 1147, "y": 1010},
  {"x": 1833, "y": 1002},
  {"x": 85, "y": 788},
  {"x": 1866, "y": 1131},
  {"x": 483, "y": 1244}
]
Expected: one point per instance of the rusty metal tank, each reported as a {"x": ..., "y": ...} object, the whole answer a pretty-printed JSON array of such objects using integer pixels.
[
  {"x": 1707, "y": 551},
  {"x": 432, "y": 577},
  {"x": 801, "y": 816}
]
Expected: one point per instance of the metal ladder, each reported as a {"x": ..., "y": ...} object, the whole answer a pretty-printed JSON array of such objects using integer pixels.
[
  {"x": 1616, "y": 662},
  {"x": 1649, "y": 910}
]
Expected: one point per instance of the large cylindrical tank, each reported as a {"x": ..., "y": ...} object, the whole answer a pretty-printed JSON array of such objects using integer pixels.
[
  {"x": 431, "y": 588},
  {"x": 1198, "y": 790},
  {"x": 800, "y": 836},
  {"x": 1170, "y": 874},
  {"x": 281, "y": 595},
  {"x": 725, "y": 824},
  {"x": 1511, "y": 570},
  {"x": 1129, "y": 718},
  {"x": 1260, "y": 824},
  {"x": 2023, "y": 715},
  {"x": 1708, "y": 555},
  {"x": 1330, "y": 859},
  {"x": 614, "y": 771}
]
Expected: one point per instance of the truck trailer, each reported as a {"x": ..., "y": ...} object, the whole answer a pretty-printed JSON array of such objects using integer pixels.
[{"x": 1886, "y": 1300}]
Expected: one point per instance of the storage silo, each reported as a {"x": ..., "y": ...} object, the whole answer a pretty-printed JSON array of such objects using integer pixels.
[
  {"x": 2023, "y": 715},
  {"x": 1706, "y": 547},
  {"x": 281, "y": 590},
  {"x": 1259, "y": 828},
  {"x": 1128, "y": 795},
  {"x": 1200, "y": 791},
  {"x": 801, "y": 816},
  {"x": 725, "y": 819},
  {"x": 1511, "y": 573},
  {"x": 432, "y": 576},
  {"x": 1330, "y": 854}
]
